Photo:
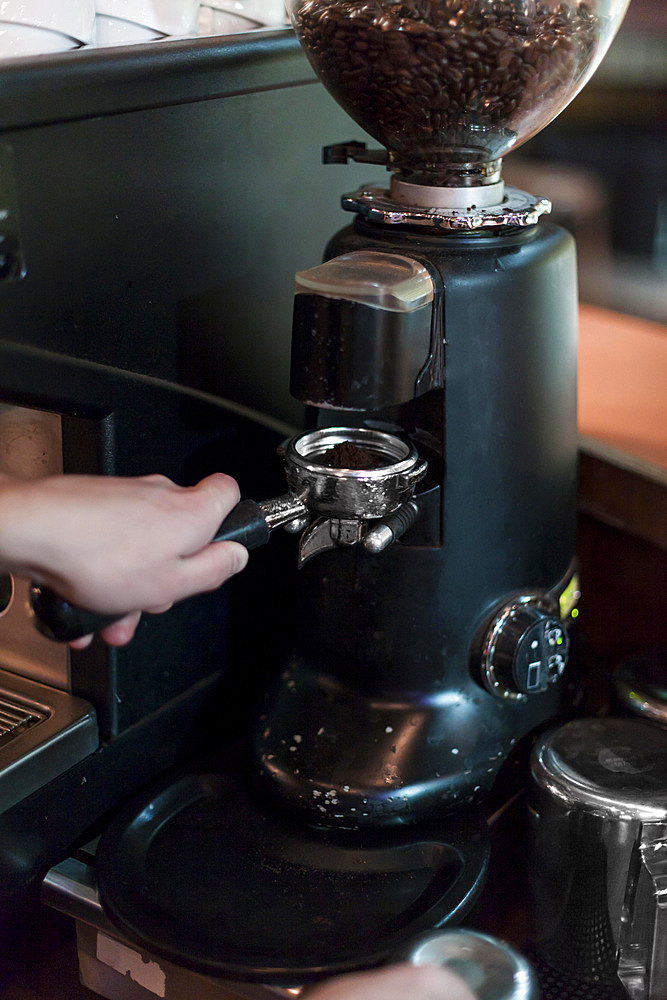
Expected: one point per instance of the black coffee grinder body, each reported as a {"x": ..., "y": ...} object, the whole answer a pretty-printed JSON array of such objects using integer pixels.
[
  {"x": 416, "y": 669},
  {"x": 427, "y": 646},
  {"x": 430, "y": 644}
]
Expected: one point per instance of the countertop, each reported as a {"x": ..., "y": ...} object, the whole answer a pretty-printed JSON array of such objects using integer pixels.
[{"x": 622, "y": 393}]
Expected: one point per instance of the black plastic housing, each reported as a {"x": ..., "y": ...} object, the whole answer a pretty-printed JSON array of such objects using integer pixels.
[{"x": 383, "y": 685}]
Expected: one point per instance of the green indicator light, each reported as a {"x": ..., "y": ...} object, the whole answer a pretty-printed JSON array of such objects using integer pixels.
[
  {"x": 559, "y": 642},
  {"x": 575, "y": 612},
  {"x": 569, "y": 597}
]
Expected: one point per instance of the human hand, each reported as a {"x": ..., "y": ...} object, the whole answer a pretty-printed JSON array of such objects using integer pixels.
[
  {"x": 394, "y": 982},
  {"x": 117, "y": 545}
]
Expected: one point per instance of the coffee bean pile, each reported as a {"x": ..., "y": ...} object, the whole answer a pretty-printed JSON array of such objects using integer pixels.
[{"x": 429, "y": 77}]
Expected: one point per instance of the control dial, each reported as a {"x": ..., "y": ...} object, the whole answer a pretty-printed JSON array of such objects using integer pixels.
[
  {"x": 525, "y": 650},
  {"x": 6, "y": 592}
]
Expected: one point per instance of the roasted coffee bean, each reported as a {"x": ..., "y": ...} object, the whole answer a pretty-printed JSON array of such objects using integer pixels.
[
  {"x": 436, "y": 50},
  {"x": 429, "y": 78}
]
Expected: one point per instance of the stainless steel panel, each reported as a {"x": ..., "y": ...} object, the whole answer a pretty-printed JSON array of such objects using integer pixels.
[
  {"x": 30, "y": 447},
  {"x": 70, "y": 888},
  {"x": 58, "y": 731}
]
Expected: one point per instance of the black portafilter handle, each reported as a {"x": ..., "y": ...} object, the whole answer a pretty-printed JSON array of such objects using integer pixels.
[{"x": 59, "y": 620}]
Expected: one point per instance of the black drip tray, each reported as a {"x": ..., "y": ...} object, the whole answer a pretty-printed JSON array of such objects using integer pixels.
[{"x": 205, "y": 876}]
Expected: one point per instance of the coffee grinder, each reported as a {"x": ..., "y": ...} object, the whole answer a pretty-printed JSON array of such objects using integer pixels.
[
  {"x": 445, "y": 315},
  {"x": 436, "y": 350}
]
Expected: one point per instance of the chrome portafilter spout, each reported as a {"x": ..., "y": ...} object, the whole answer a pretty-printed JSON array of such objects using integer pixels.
[{"x": 346, "y": 486}]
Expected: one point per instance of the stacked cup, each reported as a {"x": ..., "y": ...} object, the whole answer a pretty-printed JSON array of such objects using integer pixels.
[
  {"x": 123, "y": 21},
  {"x": 34, "y": 27},
  {"x": 227, "y": 17}
]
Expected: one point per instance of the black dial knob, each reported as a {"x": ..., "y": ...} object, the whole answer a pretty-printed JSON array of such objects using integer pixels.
[
  {"x": 526, "y": 651},
  {"x": 6, "y": 591}
]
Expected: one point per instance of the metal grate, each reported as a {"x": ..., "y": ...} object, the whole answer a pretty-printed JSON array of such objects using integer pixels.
[
  {"x": 16, "y": 718},
  {"x": 558, "y": 986}
]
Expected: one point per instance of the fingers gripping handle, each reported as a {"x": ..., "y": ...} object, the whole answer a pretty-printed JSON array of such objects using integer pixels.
[
  {"x": 245, "y": 523},
  {"x": 58, "y": 619}
]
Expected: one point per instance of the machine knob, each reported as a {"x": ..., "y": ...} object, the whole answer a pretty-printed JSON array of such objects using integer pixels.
[{"x": 526, "y": 650}]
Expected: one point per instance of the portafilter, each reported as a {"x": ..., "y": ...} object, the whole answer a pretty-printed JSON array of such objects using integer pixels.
[{"x": 347, "y": 486}]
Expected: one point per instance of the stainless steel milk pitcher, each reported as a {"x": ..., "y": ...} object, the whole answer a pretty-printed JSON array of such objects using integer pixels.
[{"x": 598, "y": 818}]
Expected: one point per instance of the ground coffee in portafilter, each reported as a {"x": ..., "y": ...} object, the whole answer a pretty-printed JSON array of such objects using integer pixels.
[
  {"x": 428, "y": 76},
  {"x": 347, "y": 455}
]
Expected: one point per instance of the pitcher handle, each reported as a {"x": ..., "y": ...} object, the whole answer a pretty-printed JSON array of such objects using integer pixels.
[{"x": 642, "y": 953}]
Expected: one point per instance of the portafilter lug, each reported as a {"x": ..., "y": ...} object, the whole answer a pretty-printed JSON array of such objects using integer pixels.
[
  {"x": 375, "y": 536},
  {"x": 328, "y": 533},
  {"x": 387, "y": 531}
]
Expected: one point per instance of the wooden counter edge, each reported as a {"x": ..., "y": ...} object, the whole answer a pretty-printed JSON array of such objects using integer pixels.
[{"x": 623, "y": 491}]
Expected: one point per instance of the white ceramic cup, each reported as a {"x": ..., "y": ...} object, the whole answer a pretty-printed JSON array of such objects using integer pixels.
[
  {"x": 268, "y": 13},
  {"x": 116, "y": 31},
  {"x": 218, "y": 22},
  {"x": 73, "y": 19},
  {"x": 169, "y": 17},
  {"x": 24, "y": 40}
]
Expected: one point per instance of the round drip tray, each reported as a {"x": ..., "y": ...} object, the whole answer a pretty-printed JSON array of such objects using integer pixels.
[{"x": 200, "y": 873}]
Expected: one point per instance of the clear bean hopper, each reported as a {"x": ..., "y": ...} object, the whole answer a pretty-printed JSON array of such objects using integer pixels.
[{"x": 450, "y": 86}]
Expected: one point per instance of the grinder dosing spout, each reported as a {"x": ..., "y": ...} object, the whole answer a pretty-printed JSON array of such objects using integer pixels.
[{"x": 365, "y": 332}]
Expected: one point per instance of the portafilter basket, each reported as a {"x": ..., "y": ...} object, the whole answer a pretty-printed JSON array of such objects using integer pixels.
[
  {"x": 336, "y": 503},
  {"x": 394, "y": 469}
]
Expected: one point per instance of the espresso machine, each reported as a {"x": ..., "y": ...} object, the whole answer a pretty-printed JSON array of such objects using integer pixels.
[{"x": 119, "y": 276}]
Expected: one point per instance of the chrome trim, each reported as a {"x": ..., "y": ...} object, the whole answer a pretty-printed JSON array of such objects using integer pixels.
[
  {"x": 494, "y": 686},
  {"x": 70, "y": 888},
  {"x": 546, "y": 600},
  {"x": 517, "y": 209},
  {"x": 65, "y": 731}
]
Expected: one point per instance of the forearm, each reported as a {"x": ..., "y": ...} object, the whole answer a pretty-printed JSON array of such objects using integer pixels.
[{"x": 19, "y": 530}]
